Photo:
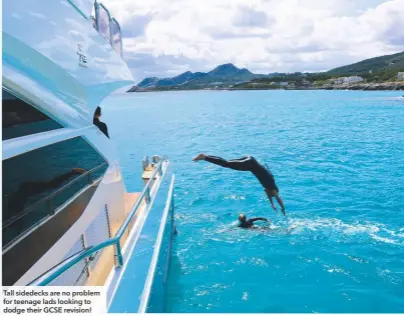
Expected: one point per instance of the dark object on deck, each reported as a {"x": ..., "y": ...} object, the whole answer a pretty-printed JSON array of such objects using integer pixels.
[{"x": 96, "y": 121}]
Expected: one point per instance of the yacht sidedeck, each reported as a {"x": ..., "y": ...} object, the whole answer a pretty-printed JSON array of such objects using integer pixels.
[{"x": 136, "y": 265}]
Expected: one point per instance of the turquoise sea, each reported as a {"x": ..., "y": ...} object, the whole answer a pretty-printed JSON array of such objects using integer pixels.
[{"x": 338, "y": 158}]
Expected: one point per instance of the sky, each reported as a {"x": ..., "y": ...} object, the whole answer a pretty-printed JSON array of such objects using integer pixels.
[{"x": 164, "y": 38}]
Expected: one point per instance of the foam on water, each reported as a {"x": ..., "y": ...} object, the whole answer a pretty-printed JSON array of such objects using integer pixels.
[{"x": 377, "y": 231}]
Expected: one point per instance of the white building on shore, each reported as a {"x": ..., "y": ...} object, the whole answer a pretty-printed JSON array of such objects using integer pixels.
[
  {"x": 346, "y": 80},
  {"x": 336, "y": 80},
  {"x": 353, "y": 79},
  {"x": 400, "y": 76}
]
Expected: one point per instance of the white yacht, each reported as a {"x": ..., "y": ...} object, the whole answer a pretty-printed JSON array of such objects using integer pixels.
[{"x": 67, "y": 216}]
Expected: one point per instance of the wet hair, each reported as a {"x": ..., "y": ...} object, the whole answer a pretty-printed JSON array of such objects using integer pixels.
[
  {"x": 97, "y": 111},
  {"x": 242, "y": 217}
]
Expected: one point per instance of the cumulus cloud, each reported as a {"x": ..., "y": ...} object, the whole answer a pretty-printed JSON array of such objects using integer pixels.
[
  {"x": 136, "y": 26},
  {"x": 165, "y": 38},
  {"x": 248, "y": 17}
]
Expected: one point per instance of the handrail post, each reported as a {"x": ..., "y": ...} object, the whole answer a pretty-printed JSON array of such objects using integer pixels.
[
  {"x": 50, "y": 210},
  {"x": 90, "y": 179},
  {"x": 118, "y": 254},
  {"x": 145, "y": 162},
  {"x": 147, "y": 196}
]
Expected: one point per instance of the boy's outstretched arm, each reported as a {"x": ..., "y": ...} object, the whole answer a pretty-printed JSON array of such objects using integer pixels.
[{"x": 252, "y": 220}]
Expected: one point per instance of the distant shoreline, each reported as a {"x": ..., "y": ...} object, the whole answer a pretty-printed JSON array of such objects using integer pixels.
[
  {"x": 380, "y": 73},
  {"x": 386, "y": 86}
]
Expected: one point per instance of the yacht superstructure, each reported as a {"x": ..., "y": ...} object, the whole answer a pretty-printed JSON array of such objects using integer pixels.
[{"x": 67, "y": 216}]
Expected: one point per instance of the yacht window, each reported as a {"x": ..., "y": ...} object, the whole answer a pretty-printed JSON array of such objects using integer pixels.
[
  {"x": 116, "y": 36},
  {"x": 21, "y": 119},
  {"x": 102, "y": 19},
  {"x": 36, "y": 183}
]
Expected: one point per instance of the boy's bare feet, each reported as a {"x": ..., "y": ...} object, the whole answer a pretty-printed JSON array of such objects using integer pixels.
[{"x": 199, "y": 157}]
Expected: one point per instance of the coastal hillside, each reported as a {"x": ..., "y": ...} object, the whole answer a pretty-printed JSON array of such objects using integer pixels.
[
  {"x": 376, "y": 71},
  {"x": 387, "y": 63}
]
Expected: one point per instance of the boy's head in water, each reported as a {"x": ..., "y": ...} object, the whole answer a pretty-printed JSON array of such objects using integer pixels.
[{"x": 242, "y": 218}]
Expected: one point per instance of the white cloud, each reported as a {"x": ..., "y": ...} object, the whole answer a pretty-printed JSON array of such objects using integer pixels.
[{"x": 165, "y": 38}]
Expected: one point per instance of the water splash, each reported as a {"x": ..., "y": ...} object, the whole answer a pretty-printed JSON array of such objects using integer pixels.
[{"x": 337, "y": 227}]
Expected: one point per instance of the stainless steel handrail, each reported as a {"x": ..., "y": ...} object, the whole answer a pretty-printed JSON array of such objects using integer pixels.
[
  {"x": 66, "y": 264},
  {"x": 78, "y": 9},
  {"x": 49, "y": 198}
]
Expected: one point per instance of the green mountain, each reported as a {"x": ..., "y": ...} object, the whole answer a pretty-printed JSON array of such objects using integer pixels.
[
  {"x": 223, "y": 74},
  {"x": 383, "y": 64}
]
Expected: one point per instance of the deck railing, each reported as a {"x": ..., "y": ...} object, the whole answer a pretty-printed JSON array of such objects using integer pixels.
[{"x": 115, "y": 241}]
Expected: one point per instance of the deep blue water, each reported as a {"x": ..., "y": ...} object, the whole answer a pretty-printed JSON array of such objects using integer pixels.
[{"x": 338, "y": 159}]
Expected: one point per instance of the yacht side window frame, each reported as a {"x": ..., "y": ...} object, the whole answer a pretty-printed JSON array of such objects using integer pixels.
[
  {"x": 115, "y": 21},
  {"x": 59, "y": 190},
  {"x": 97, "y": 20}
]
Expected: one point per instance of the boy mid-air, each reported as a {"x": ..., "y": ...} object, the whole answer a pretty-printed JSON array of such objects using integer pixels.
[{"x": 249, "y": 163}]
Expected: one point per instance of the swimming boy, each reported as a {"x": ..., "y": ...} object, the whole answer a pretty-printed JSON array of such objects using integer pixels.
[
  {"x": 249, "y": 223},
  {"x": 249, "y": 163}
]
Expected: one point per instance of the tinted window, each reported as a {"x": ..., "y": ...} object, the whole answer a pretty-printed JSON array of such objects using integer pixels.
[
  {"x": 20, "y": 118},
  {"x": 35, "y": 184},
  {"x": 116, "y": 36},
  {"x": 102, "y": 18}
]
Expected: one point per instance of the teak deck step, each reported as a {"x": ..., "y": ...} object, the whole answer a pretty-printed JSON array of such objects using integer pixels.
[{"x": 130, "y": 200}]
